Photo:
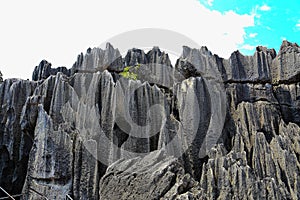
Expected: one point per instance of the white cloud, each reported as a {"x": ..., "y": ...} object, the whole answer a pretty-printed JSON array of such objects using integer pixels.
[
  {"x": 269, "y": 28},
  {"x": 59, "y": 30},
  {"x": 283, "y": 38},
  {"x": 252, "y": 35},
  {"x": 248, "y": 47},
  {"x": 298, "y": 24},
  {"x": 265, "y": 8},
  {"x": 210, "y": 2}
]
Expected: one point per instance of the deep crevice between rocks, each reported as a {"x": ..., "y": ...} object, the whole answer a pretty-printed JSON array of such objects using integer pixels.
[
  {"x": 165, "y": 191},
  {"x": 284, "y": 179}
]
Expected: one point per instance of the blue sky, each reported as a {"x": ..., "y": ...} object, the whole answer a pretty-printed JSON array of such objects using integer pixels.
[{"x": 273, "y": 21}]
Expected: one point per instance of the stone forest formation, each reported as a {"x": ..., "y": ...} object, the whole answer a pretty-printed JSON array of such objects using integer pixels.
[{"x": 137, "y": 127}]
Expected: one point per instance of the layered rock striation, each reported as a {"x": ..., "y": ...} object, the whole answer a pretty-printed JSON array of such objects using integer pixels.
[{"x": 207, "y": 128}]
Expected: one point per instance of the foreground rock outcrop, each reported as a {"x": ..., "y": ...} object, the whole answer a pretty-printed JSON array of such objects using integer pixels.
[{"x": 207, "y": 128}]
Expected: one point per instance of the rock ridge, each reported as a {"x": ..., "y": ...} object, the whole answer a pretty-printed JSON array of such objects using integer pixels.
[{"x": 206, "y": 128}]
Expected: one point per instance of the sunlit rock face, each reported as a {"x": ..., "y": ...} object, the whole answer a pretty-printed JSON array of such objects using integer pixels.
[{"x": 206, "y": 128}]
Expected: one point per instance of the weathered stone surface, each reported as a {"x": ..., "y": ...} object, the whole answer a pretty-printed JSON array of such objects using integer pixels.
[
  {"x": 269, "y": 172},
  {"x": 135, "y": 56},
  {"x": 84, "y": 123},
  {"x": 286, "y": 65},
  {"x": 44, "y": 70},
  {"x": 208, "y": 128},
  {"x": 256, "y": 68},
  {"x": 14, "y": 143},
  {"x": 249, "y": 92},
  {"x": 289, "y": 101},
  {"x": 201, "y": 62},
  {"x": 154, "y": 67},
  {"x": 265, "y": 66},
  {"x": 50, "y": 164},
  {"x": 59, "y": 162},
  {"x": 154, "y": 176},
  {"x": 156, "y": 56},
  {"x": 97, "y": 59},
  {"x": 1, "y": 77}
]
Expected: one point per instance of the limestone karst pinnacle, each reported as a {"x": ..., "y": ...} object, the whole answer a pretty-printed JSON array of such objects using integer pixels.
[{"x": 90, "y": 133}]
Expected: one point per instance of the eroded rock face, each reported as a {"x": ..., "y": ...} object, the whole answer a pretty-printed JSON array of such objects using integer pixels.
[
  {"x": 155, "y": 176},
  {"x": 208, "y": 128},
  {"x": 15, "y": 144},
  {"x": 97, "y": 59},
  {"x": 44, "y": 70},
  {"x": 285, "y": 67}
]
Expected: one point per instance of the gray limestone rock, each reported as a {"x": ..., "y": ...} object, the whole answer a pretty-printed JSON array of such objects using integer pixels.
[
  {"x": 154, "y": 67},
  {"x": 44, "y": 70},
  {"x": 135, "y": 56},
  {"x": 15, "y": 144},
  {"x": 97, "y": 59},
  {"x": 154, "y": 176},
  {"x": 208, "y": 128},
  {"x": 286, "y": 65}
]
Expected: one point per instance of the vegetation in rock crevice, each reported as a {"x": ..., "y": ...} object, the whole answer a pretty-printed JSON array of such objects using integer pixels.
[{"x": 130, "y": 72}]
